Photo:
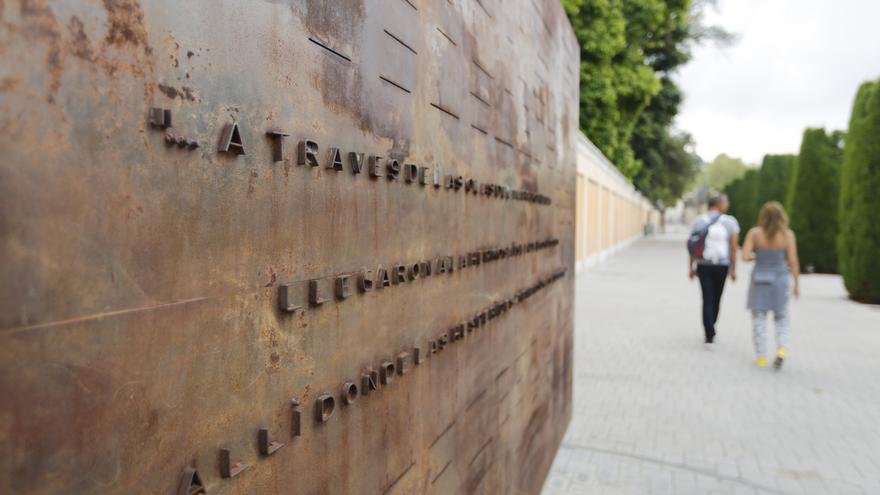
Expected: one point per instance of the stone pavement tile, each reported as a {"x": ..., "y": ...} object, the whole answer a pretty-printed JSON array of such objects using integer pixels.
[
  {"x": 661, "y": 483},
  {"x": 649, "y": 401},
  {"x": 745, "y": 490},
  {"x": 728, "y": 469},
  {"x": 684, "y": 481},
  {"x": 848, "y": 489}
]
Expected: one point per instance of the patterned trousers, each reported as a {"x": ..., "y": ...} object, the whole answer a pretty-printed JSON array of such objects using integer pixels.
[{"x": 759, "y": 328}]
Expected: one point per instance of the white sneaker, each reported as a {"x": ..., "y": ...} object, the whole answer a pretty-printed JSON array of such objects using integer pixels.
[{"x": 709, "y": 346}]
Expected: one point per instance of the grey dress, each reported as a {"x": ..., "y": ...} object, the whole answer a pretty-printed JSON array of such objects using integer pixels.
[{"x": 770, "y": 285}]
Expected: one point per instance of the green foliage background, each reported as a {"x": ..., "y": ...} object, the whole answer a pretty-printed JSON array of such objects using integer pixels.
[
  {"x": 859, "y": 239},
  {"x": 753, "y": 187},
  {"x": 813, "y": 198},
  {"x": 776, "y": 171},
  {"x": 616, "y": 82},
  {"x": 666, "y": 164},
  {"x": 721, "y": 171},
  {"x": 743, "y": 196},
  {"x": 628, "y": 102},
  {"x": 629, "y": 48}
]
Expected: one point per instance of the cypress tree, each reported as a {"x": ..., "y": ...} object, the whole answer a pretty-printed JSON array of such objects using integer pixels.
[
  {"x": 733, "y": 191},
  {"x": 859, "y": 239},
  {"x": 748, "y": 201},
  {"x": 742, "y": 194},
  {"x": 775, "y": 175},
  {"x": 813, "y": 197}
]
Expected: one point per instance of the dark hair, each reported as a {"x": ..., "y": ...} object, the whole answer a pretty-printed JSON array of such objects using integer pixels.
[{"x": 717, "y": 199}]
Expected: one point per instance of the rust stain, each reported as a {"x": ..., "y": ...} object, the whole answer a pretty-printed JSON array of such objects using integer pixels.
[
  {"x": 80, "y": 45},
  {"x": 477, "y": 477},
  {"x": 272, "y": 342},
  {"x": 125, "y": 28},
  {"x": 126, "y": 24},
  {"x": 398, "y": 478},
  {"x": 43, "y": 25},
  {"x": 340, "y": 81},
  {"x": 8, "y": 84},
  {"x": 184, "y": 93},
  {"x": 529, "y": 455}
]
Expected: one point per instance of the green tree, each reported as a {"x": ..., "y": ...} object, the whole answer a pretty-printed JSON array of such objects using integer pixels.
[
  {"x": 775, "y": 176},
  {"x": 743, "y": 196},
  {"x": 668, "y": 170},
  {"x": 616, "y": 83},
  {"x": 858, "y": 242},
  {"x": 668, "y": 162},
  {"x": 628, "y": 50},
  {"x": 813, "y": 197},
  {"x": 665, "y": 161},
  {"x": 751, "y": 207},
  {"x": 754, "y": 187},
  {"x": 722, "y": 171},
  {"x": 734, "y": 194}
]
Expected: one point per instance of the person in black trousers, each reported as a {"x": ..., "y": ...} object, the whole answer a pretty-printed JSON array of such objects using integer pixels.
[{"x": 718, "y": 261}]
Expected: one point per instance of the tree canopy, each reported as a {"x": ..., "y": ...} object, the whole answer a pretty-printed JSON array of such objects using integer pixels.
[
  {"x": 627, "y": 99},
  {"x": 667, "y": 163},
  {"x": 722, "y": 171}
]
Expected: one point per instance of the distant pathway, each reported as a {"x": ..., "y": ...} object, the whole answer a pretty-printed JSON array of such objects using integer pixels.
[{"x": 655, "y": 413}]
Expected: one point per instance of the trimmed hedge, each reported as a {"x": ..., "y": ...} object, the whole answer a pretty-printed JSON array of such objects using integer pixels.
[
  {"x": 733, "y": 191},
  {"x": 776, "y": 173},
  {"x": 859, "y": 240},
  {"x": 743, "y": 194},
  {"x": 813, "y": 199},
  {"x": 749, "y": 201}
]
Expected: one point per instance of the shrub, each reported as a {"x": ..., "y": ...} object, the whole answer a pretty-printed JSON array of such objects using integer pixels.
[
  {"x": 859, "y": 239},
  {"x": 776, "y": 173},
  {"x": 813, "y": 197},
  {"x": 743, "y": 193},
  {"x": 749, "y": 201},
  {"x": 733, "y": 192}
]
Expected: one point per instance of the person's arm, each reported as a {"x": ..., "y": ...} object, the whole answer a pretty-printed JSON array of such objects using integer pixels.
[
  {"x": 748, "y": 252},
  {"x": 734, "y": 242},
  {"x": 794, "y": 264}
]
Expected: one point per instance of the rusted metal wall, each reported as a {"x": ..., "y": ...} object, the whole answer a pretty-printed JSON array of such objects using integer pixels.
[{"x": 144, "y": 258}]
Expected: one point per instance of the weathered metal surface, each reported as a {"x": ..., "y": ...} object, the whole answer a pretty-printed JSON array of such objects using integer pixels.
[{"x": 194, "y": 275}]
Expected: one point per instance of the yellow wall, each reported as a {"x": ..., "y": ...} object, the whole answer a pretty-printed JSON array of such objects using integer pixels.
[
  {"x": 607, "y": 218},
  {"x": 610, "y": 211},
  {"x": 592, "y": 228},
  {"x": 579, "y": 236}
]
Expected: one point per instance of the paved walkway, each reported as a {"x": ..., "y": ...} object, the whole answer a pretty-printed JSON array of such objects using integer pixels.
[{"x": 655, "y": 413}]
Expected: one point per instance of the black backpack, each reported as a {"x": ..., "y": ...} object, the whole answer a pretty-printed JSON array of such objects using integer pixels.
[{"x": 696, "y": 243}]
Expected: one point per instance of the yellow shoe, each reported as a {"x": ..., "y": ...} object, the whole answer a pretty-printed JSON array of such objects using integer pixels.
[
  {"x": 781, "y": 352},
  {"x": 761, "y": 362}
]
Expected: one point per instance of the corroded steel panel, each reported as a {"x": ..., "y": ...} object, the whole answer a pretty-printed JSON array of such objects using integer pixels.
[{"x": 285, "y": 246}]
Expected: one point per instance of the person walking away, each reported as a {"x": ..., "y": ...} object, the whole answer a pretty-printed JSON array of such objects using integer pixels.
[
  {"x": 773, "y": 247},
  {"x": 718, "y": 260}
]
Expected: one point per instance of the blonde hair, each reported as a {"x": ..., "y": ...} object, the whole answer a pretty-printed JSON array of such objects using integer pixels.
[{"x": 772, "y": 219}]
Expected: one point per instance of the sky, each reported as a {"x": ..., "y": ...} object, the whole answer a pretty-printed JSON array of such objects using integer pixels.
[{"x": 795, "y": 64}]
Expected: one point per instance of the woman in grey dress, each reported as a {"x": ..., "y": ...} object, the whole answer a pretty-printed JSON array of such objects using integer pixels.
[{"x": 773, "y": 247}]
